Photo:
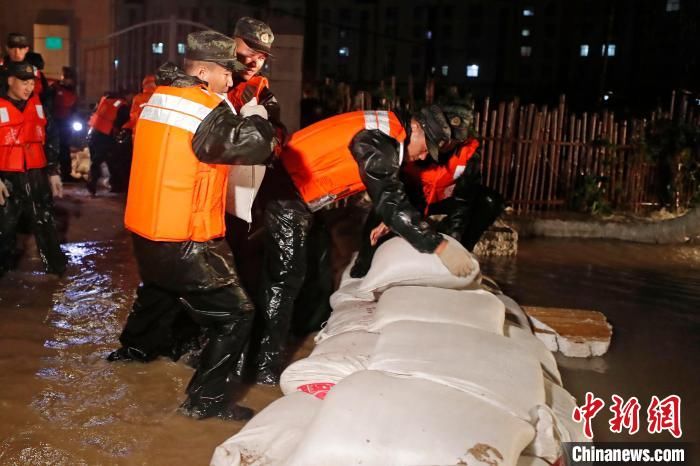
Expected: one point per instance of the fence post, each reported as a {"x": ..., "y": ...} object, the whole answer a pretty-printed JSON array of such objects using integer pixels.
[{"x": 172, "y": 39}]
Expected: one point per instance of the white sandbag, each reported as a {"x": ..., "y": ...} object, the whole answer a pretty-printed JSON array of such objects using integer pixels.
[
  {"x": 358, "y": 343},
  {"x": 348, "y": 289},
  {"x": 374, "y": 419},
  {"x": 531, "y": 461},
  {"x": 396, "y": 262},
  {"x": 477, "y": 308},
  {"x": 347, "y": 317},
  {"x": 563, "y": 405},
  {"x": 271, "y": 436},
  {"x": 530, "y": 343},
  {"x": 317, "y": 374},
  {"x": 554, "y": 425},
  {"x": 485, "y": 365}
]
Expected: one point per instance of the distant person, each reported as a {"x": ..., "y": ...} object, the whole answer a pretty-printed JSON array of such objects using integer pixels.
[
  {"x": 17, "y": 50},
  {"x": 28, "y": 170},
  {"x": 111, "y": 113},
  {"x": 65, "y": 102}
]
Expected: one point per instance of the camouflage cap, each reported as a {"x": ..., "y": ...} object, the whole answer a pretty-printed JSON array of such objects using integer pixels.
[
  {"x": 20, "y": 70},
  {"x": 255, "y": 33},
  {"x": 461, "y": 121},
  {"x": 437, "y": 129},
  {"x": 212, "y": 46},
  {"x": 17, "y": 40}
]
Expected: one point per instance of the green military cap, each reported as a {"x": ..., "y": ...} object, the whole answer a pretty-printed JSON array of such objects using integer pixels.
[
  {"x": 17, "y": 40},
  {"x": 436, "y": 127},
  {"x": 214, "y": 47},
  {"x": 255, "y": 33},
  {"x": 461, "y": 121},
  {"x": 20, "y": 70}
]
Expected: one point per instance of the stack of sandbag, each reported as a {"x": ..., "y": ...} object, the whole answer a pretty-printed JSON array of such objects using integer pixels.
[{"x": 415, "y": 367}]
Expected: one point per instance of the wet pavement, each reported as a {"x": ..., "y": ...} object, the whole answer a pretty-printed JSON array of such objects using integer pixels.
[{"x": 61, "y": 403}]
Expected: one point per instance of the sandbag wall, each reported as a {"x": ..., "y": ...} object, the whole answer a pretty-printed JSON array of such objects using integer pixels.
[{"x": 414, "y": 367}]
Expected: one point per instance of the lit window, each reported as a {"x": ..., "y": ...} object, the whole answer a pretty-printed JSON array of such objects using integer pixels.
[
  {"x": 525, "y": 33},
  {"x": 157, "y": 48},
  {"x": 472, "y": 71},
  {"x": 344, "y": 52},
  {"x": 528, "y": 12},
  {"x": 525, "y": 51},
  {"x": 53, "y": 43},
  {"x": 445, "y": 70},
  {"x": 584, "y": 50},
  {"x": 673, "y": 5},
  {"x": 181, "y": 48},
  {"x": 428, "y": 34},
  {"x": 610, "y": 48}
]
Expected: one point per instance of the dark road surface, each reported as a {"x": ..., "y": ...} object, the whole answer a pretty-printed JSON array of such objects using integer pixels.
[{"x": 61, "y": 403}]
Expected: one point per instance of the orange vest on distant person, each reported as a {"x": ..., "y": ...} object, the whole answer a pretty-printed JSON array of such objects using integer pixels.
[
  {"x": 172, "y": 195},
  {"x": 438, "y": 181},
  {"x": 105, "y": 115},
  {"x": 22, "y": 136},
  {"x": 319, "y": 161}
]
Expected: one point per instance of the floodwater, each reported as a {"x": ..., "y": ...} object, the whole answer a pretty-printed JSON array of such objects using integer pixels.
[{"x": 62, "y": 404}]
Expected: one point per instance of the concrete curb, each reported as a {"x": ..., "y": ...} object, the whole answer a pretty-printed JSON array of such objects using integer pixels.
[{"x": 678, "y": 230}]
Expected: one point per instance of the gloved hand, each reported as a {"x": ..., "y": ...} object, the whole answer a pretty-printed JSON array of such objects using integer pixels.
[
  {"x": 252, "y": 108},
  {"x": 4, "y": 193},
  {"x": 457, "y": 259},
  {"x": 56, "y": 185}
]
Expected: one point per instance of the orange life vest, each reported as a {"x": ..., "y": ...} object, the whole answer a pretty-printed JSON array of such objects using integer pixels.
[
  {"x": 105, "y": 115},
  {"x": 241, "y": 93},
  {"x": 172, "y": 195},
  {"x": 319, "y": 161},
  {"x": 137, "y": 104},
  {"x": 438, "y": 181},
  {"x": 22, "y": 136},
  {"x": 64, "y": 102}
]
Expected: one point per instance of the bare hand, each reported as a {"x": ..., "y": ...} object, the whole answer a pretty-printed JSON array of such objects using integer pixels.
[
  {"x": 377, "y": 233},
  {"x": 4, "y": 193},
  {"x": 56, "y": 186}
]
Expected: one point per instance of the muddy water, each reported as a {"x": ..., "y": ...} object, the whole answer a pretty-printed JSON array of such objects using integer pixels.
[
  {"x": 651, "y": 296},
  {"x": 62, "y": 404}
]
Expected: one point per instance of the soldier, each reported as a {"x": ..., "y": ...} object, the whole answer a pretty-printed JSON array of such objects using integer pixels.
[
  {"x": 28, "y": 169},
  {"x": 186, "y": 139}
]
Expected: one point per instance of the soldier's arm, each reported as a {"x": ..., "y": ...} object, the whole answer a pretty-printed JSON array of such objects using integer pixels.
[
  {"x": 378, "y": 159},
  {"x": 229, "y": 139}
]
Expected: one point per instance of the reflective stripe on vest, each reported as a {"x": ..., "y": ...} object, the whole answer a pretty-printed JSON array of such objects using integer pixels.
[
  {"x": 438, "y": 181},
  {"x": 22, "y": 136},
  {"x": 319, "y": 161},
  {"x": 172, "y": 195}
]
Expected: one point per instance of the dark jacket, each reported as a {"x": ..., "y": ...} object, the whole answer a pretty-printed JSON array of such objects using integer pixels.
[
  {"x": 377, "y": 156},
  {"x": 459, "y": 205},
  {"x": 221, "y": 138}
]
